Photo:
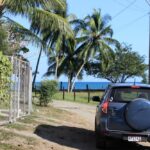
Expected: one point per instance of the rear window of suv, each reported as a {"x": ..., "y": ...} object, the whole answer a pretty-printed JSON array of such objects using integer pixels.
[{"x": 121, "y": 94}]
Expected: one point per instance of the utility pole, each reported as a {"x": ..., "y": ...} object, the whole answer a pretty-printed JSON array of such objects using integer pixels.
[
  {"x": 149, "y": 53},
  {"x": 148, "y": 2}
]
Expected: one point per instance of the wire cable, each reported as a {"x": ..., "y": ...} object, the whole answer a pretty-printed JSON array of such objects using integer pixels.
[
  {"x": 124, "y": 9},
  {"x": 134, "y": 21},
  {"x": 136, "y": 8},
  {"x": 148, "y": 2}
]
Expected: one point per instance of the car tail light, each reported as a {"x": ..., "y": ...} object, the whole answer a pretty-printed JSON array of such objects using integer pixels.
[
  {"x": 105, "y": 107},
  {"x": 135, "y": 87}
]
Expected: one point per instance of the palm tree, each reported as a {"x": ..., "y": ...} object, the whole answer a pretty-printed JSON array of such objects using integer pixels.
[
  {"x": 60, "y": 48},
  {"x": 94, "y": 37},
  {"x": 69, "y": 67},
  {"x": 44, "y": 15},
  {"x": 41, "y": 13}
]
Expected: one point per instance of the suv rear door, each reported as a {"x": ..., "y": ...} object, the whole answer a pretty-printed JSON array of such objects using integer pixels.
[{"x": 119, "y": 98}]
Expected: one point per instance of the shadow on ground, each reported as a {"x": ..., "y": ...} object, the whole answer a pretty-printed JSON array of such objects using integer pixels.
[{"x": 79, "y": 138}]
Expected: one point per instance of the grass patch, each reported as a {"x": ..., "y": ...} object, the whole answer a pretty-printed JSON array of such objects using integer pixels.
[
  {"x": 16, "y": 126},
  {"x": 6, "y": 146},
  {"x": 51, "y": 112},
  {"x": 6, "y": 135},
  {"x": 29, "y": 119},
  {"x": 3, "y": 118},
  {"x": 81, "y": 97},
  {"x": 4, "y": 105}
]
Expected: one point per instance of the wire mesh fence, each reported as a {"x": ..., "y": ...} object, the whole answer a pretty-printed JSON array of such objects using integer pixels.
[{"x": 20, "y": 103}]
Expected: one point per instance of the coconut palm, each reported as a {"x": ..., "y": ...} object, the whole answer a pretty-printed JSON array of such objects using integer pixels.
[
  {"x": 93, "y": 36},
  {"x": 44, "y": 15},
  {"x": 41, "y": 13},
  {"x": 68, "y": 67},
  {"x": 60, "y": 48}
]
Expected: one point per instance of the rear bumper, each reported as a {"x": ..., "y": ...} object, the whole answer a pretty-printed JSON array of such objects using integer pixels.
[{"x": 145, "y": 136}]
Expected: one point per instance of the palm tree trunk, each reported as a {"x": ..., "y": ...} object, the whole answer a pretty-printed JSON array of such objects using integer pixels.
[
  {"x": 1, "y": 8},
  {"x": 36, "y": 70},
  {"x": 77, "y": 76},
  {"x": 70, "y": 82},
  {"x": 56, "y": 68}
]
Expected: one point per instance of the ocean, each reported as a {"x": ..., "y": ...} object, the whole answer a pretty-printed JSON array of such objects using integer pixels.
[{"x": 82, "y": 85}]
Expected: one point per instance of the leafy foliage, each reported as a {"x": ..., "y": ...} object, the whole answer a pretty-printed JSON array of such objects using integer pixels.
[
  {"x": 145, "y": 78},
  {"x": 47, "y": 90},
  {"x": 3, "y": 39},
  {"x": 119, "y": 65},
  {"x": 93, "y": 37},
  {"x": 5, "y": 73}
]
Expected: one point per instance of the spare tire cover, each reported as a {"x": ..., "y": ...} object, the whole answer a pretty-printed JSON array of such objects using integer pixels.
[{"x": 137, "y": 114}]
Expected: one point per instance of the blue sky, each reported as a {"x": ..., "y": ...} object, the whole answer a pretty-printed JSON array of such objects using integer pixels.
[{"x": 130, "y": 25}]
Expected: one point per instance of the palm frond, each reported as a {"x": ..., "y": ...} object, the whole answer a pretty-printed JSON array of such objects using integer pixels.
[
  {"x": 110, "y": 41},
  {"x": 25, "y": 33},
  {"x": 107, "y": 31},
  {"x": 23, "y": 6},
  {"x": 41, "y": 20}
]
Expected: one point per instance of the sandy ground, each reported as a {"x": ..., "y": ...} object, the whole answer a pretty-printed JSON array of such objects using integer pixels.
[{"x": 71, "y": 127}]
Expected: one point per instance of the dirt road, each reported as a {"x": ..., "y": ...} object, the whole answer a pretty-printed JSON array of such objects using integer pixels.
[
  {"x": 85, "y": 139},
  {"x": 60, "y": 126}
]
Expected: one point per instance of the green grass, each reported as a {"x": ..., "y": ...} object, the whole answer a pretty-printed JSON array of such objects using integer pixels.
[
  {"x": 81, "y": 97},
  {"x": 6, "y": 146},
  {"x": 4, "y": 105},
  {"x": 16, "y": 126},
  {"x": 5, "y": 136}
]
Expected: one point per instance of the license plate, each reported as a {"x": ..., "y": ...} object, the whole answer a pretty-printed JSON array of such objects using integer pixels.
[{"x": 134, "y": 138}]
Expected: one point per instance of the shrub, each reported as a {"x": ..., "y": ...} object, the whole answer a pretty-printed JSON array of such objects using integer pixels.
[
  {"x": 5, "y": 73},
  {"x": 47, "y": 90}
]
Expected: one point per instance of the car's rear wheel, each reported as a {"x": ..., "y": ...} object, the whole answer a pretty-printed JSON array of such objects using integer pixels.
[{"x": 99, "y": 139}]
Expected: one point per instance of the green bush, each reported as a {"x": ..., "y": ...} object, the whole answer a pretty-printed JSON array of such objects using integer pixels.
[
  {"x": 5, "y": 73},
  {"x": 47, "y": 90}
]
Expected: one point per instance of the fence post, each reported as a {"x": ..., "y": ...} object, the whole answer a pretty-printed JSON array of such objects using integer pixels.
[
  {"x": 18, "y": 100},
  {"x": 30, "y": 92},
  {"x": 87, "y": 87},
  {"x": 63, "y": 93},
  {"x": 74, "y": 91},
  {"x": 11, "y": 96},
  {"x": 61, "y": 86}
]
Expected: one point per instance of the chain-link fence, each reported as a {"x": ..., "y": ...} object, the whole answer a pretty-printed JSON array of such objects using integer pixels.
[{"x": 20, "y": 103}]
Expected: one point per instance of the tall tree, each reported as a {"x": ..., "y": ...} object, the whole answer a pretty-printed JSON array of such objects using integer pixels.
[
  {"x": 42, "y": 14},
  {"x": 93, "y": 36},
  {"x": 60, "y": 48},
  {"x": 121, "y": 65}
]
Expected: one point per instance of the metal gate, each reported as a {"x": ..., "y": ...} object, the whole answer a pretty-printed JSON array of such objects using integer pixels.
[{"x": 20, "y": 103}]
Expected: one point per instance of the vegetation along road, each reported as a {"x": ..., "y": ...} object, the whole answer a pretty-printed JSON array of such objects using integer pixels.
[{"x": 60, "y": 126}]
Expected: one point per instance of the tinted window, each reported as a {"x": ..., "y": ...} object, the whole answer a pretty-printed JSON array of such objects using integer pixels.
[{"x": 129, "y": 94}]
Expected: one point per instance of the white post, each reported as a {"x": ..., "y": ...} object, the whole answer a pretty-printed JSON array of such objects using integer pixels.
[
  {"x": 30, "y": 91},
  {"x": 11, "y": 96},
  {"x": 24, "y": 99},
  {"x": 18, "y": 98}
]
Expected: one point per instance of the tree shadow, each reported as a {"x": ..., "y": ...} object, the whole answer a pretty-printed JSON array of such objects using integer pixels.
[{"x": 79, "y": 138}]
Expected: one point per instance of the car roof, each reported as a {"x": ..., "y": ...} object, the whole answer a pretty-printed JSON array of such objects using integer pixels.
[{"x": 129, "y": 84}]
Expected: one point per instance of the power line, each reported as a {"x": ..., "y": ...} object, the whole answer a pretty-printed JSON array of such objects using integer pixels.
[
  {"x": 148, "y": 2},
  {"x": 119, "y": 3},
  {"x": 133, "y": 9},
  {"x": 124, "y": 9},
  {"x": 138, "y": 7},
  {"x": 134, "y": 21}
]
